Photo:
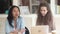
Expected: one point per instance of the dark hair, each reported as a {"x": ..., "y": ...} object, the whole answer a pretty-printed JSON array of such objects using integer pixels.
[
  {"x": 10, "y": 16},
  {"x": 47, "y": 19}
]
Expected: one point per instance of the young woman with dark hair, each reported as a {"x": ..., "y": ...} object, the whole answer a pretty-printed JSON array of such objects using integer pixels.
[{"x": 15, "y": 22}]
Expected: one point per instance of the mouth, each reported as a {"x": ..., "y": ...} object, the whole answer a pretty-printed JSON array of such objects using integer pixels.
[{"x": 43, "y": 14}]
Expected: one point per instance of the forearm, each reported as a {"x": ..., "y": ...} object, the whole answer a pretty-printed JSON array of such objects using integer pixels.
[
  {"x": 11, "y": 33},
  {"x": 22, "y": 31},
  {"x": 14, "y": 32}
]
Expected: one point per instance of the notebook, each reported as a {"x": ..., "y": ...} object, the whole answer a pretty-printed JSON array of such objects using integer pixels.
[{"x": 43, "y": 29}]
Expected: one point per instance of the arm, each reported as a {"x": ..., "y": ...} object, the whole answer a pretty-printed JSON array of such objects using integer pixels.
[
  {"x": 8, "y": 29},
  {"x": 51, "y": 26},
  {"x": 22, "y": 26}
]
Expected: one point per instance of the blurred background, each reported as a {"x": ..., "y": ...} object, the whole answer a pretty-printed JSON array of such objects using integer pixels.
[{"x": 28, "y": 10}]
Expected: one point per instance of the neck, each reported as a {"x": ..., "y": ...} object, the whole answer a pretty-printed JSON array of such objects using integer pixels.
[{"x": 14, "y": 19}]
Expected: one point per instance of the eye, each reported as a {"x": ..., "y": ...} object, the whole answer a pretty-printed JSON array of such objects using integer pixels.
[{"x": 44, "y": 10}]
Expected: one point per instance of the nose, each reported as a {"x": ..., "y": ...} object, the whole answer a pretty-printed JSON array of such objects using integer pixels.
[{"x": 43, "y": 12}]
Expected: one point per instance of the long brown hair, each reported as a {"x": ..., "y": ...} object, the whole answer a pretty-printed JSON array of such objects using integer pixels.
[{"x": 47, "y": 19}]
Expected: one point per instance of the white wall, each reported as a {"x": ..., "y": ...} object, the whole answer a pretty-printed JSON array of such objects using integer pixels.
[{"x": 16, "y": 2}]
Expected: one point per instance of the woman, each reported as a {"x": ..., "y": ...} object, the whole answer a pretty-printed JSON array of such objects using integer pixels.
[
  {"x": 45, "y": 16},
  {"x": 14, "y": 23}
]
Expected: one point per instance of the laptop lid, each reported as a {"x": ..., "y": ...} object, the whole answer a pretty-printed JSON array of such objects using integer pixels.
[{"x": 43, "y": 29}]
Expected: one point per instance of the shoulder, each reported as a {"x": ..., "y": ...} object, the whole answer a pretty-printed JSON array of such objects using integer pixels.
[
  {"x": 6, "y": 22},
  {"x": 20, "y": 18}
]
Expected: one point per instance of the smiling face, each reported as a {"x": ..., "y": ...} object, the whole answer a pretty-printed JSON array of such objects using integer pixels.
[
  {"x": 43, "y": 10},
  {"x": 15, "y": 12}
]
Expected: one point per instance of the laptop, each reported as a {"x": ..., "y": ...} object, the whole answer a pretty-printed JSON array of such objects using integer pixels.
[{"x": 43, "y": 29}]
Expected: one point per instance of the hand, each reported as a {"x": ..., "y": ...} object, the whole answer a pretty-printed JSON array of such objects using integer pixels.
[
  {"x": 21, "y": 31},
  {"x": 15, "y": 31},
  {"x": 54, "y": 32},
  {"x": 11, "y": 33}
]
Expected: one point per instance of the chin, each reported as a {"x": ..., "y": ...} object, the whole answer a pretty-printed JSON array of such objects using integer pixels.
[
  {"x": 43, "y": 15},
  {"x": 16, "y": 17}
]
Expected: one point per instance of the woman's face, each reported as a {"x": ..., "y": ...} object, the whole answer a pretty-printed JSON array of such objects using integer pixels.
[
  {"x": 43, "y": 10},
  {"x": 15, "y": 12}
]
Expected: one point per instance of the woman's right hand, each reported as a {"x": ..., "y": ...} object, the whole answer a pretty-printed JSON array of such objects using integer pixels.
[
  {"x": 14, "y": 32},
  {"x": 11, "y": 32}
]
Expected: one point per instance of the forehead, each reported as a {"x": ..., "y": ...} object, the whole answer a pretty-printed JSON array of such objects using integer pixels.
[
  {"x": 15, "y": 8},
  {"x": 43, "y": 8}
]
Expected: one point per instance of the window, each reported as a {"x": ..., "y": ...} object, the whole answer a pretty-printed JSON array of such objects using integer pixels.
[
  {"x": 58, "y": 6},
  {"x": 35, "y": 4}
]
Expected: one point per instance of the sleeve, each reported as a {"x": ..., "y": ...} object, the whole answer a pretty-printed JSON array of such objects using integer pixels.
[
  {"x": 51, "y": 26},
  {"x": 22, "y": 23},
  {"x": 7, "y": 29}
]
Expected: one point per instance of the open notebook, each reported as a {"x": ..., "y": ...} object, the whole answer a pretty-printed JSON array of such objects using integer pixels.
[{"x": 43, "y": 29}]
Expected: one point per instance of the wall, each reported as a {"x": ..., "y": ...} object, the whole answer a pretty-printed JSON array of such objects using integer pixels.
[{"x": 15, "y": 2}]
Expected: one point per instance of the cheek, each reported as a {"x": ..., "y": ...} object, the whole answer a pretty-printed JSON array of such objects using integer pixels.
[
  {"x": 46, "y": 12},
  {"x": 13, "y": 13},
  {"x": 42, "y": 12},
  {"x": 18, "y": 13}
]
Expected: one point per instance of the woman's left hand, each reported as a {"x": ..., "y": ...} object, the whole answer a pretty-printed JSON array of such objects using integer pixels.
[
  {"x": 15, "y": 31},
  {"x": 21, "y": 31}
]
